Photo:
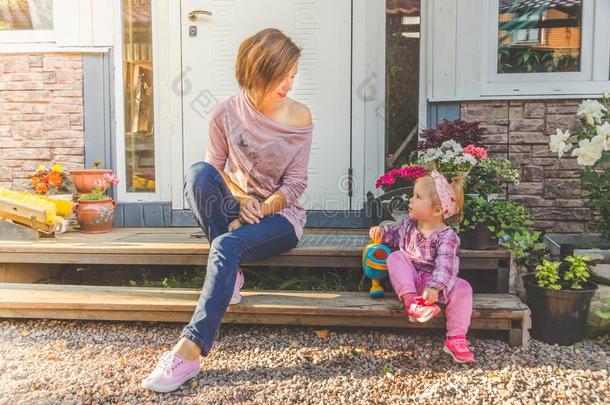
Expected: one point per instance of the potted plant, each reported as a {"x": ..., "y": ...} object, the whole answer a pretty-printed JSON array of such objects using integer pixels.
[
  {"x": 487, "y": 223},
  {"x": 560, "y": 299},
  {"x": 489, "y": 177},
  {"x": 95, "y": 210},
  {"x": 84, "y": 180}
]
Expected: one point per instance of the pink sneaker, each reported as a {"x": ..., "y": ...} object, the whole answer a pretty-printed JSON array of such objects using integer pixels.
[
  {"x": 457, "y": 347},
  {"x": 239, "y": 283},
  {"x": 171, "y": 372},
  {"x": 418, "y": 311}
]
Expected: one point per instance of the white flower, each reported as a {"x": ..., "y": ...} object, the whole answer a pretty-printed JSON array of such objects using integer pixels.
[
  {"x": 604, "y": 132},
  {"x": 558, "y": 142},
  {"x": 592, "y": 110},
  {"x": 589, "y": 151}
]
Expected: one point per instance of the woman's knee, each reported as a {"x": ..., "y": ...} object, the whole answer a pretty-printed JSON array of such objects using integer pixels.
[
  {"x": 225, "y": 246},
  {"x": 199, "y": 175}
]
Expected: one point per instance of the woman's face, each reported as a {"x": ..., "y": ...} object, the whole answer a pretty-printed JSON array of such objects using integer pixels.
[{"x": 280, "y": 91}]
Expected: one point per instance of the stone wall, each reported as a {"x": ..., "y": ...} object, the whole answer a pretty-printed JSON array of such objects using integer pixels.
[
  {"x": 520, "y": 130},
  {"x": 41, "y": 114}
]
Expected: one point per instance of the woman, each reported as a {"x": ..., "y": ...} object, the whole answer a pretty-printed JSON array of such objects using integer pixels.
[{"x": 245, "y": 194}]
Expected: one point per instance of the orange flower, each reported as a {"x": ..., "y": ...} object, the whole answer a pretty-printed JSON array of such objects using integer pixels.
[
  {"x": 41, "y": 187},
  {"x": 55, "y": 179}
]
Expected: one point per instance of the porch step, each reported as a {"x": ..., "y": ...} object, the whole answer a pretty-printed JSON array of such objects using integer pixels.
[
  {"x": 503, "y": 312},
  {"x": 331, "y": 248}
]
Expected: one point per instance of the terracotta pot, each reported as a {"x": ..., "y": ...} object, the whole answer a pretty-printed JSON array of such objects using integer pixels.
[
  {"x": 95, "y": 216},
  {"x": 84, "y": 179}
]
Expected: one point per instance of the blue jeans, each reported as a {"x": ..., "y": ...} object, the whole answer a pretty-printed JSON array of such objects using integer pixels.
[{"x": 214, "y": 207}]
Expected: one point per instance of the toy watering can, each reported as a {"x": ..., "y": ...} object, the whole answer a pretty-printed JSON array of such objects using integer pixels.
[{"x": 374, "y": 257}]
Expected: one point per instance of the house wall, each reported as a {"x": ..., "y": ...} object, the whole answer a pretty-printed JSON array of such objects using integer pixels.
[
  {"x": 520, "y": 131},
  {"x": 41, "y": 114}
]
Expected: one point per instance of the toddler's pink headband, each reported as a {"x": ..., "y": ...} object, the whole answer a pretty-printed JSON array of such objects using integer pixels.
[{"x": 446, "y": 195}]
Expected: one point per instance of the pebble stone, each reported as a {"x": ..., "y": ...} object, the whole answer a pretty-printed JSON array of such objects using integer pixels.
[{"x": 75, "y": 362}]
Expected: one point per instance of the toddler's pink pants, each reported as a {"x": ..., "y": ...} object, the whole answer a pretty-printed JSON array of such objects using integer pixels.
[{"x": 406, "y": 279}]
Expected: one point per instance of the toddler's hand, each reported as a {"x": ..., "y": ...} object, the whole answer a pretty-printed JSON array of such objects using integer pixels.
[
  {"x": 376, "y": 233},
  {"x": 430, "y": 295}
]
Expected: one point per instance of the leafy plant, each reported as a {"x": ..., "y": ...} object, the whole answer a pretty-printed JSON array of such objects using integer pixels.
[
  {"x": 503, "y": 218},
  {"x": 604, "y": 313},
  {"x": 462, "y": 132},
  {"x": 489, "y": 176},
  {"x": 590, "y": 144},
  {"x": 527, "y": 248},
  {"x": 547, "y": 274},
  {"x": 578, "y": 273}
]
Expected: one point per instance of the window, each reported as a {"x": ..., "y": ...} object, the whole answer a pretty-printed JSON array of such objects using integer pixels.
[
  {"x": 539, "y": 36},
  {"x": 401, "y": 107},
  {"x": 26, "y": 15},
  {"x": 139, "y": 102}
]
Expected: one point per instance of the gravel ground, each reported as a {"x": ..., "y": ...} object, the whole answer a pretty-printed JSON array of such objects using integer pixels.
[{"x": 103, "y": 362}]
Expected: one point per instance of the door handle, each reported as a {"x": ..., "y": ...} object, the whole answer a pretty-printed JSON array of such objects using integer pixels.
[{"x": 193, "y": 14}]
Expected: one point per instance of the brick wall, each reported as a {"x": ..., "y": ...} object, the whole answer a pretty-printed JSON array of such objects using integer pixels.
[
  {"x": 41, "y": 114},
  {"x": 520, "y": 130}
]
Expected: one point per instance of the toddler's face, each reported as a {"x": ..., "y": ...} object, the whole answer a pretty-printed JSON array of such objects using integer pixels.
[{"x": 423, "y": 205}]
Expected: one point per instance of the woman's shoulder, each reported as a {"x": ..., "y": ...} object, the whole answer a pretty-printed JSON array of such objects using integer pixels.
[{"x": 299, "y": 113}]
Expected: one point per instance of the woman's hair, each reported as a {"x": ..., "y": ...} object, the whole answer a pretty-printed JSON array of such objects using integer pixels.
[
  {"x": 457, "y": 184},
  {"x": 263, "y": 60}
]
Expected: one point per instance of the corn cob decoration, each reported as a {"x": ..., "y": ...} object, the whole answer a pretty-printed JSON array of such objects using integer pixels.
[{"x": 50, "y": 207}]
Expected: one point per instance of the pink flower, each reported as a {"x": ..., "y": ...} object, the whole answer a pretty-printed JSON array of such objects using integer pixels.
[
  {"x": 478, "y": 153},
  {"x": 406, "y": 172}
]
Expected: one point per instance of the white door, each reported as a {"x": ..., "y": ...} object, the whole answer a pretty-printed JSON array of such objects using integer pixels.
[{"x": 322, "y": 29}]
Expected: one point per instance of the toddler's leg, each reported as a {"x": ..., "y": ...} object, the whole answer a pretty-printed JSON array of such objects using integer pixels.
[
  {"x": 459, "y": 308},
  {"x": 402, "y": 274}
]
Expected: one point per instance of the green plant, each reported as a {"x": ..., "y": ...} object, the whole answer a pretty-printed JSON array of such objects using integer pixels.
[
  {"x": 100, "y": 187},
  {"x": 604, "y": 313},
  {"x": 490, "y": 176},
  {"x": 590, "y": 143},
  {"x": 578, "y": 273},
  {"x": 547, "y": 274},
  {"x": 503, "y": 218},
  {"x": 527, "y": 248}
]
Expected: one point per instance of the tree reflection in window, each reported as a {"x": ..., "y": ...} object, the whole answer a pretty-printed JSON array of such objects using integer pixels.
[{"x": 539, "y": 36}]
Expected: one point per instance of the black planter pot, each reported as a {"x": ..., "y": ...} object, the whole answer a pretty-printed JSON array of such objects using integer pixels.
[
  {"x": 479, "y": 238},
  {"x": 558, "y": 316}
]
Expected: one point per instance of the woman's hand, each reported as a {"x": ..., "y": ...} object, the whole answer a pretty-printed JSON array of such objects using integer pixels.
[
  {"x": 430, "y": 295},
  {"x": 376, "y": 233},
  {"x": 250, "y": 210},
  {"x": 235, "y": 224}
]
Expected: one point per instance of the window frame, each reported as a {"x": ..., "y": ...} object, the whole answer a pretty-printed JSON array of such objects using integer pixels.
[{"x": 591, "y": 80}]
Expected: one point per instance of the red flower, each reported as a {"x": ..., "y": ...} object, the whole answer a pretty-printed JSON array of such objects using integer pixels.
[{"x": 478, "y": 153}]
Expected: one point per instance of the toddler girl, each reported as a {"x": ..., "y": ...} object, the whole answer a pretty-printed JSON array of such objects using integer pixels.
[{"x": 424, "y": 269}]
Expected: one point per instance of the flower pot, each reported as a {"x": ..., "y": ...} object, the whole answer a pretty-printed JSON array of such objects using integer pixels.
[
  {"x": 95, "y": 216},
  {"x": 84, "y": 180},
  {"x": 479, "y": 238},
  {"x": 558, "y": 316}
]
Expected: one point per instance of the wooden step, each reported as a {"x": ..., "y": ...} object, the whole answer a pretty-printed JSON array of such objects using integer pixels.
[
  {"x": 329, "y": 248},
  {"x": 491, "y": 311}
]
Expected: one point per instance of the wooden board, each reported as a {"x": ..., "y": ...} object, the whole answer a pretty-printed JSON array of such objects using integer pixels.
[
  {"x": 491, "y": 311},
  {"x": 149, "y": 245}
]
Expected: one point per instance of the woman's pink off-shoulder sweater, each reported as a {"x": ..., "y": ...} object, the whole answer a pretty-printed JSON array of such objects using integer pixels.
[{"x": 260, "y": 155}]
